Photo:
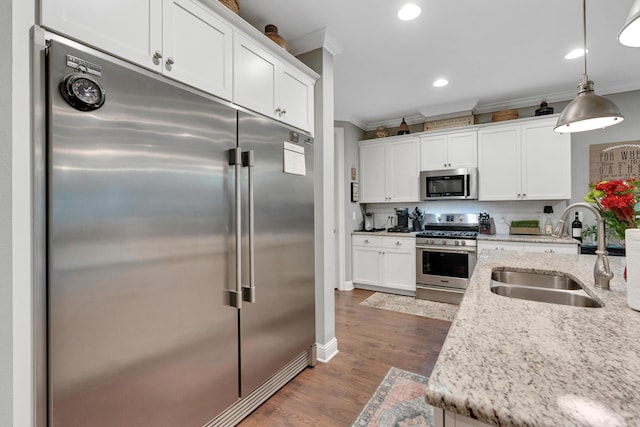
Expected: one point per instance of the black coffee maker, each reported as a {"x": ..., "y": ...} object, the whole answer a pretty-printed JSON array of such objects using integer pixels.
[{"x": 402, "y": 222}]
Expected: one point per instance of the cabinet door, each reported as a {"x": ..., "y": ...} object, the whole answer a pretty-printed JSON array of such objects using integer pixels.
[
  {"x": 373, "y": 179},
  {"x": 198, "y": 47},
  {"x": 366, "y": 265},
  {"x": 546, "y": 162},
  {"x": 499, "y": 167},
  {"x": 254, "y": 77},
  {"x": 462, "y": 150},
  {"x": 295, "y": 99},
  {"x": 403, "y": 170},
  {"x": 433, "y": 152},
  {"x": 129, "y": 29},
  {"x": 398, "y": 270}
]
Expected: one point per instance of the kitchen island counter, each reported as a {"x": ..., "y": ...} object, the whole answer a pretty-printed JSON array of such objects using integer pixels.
[{"x": 513, "y": 362}]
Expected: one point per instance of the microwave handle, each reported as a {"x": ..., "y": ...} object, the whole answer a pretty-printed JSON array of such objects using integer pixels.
[{"x": 467, "y": 177}]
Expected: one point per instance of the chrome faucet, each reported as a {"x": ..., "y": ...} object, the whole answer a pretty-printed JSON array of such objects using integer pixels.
[{"x": 601, "y": 272}]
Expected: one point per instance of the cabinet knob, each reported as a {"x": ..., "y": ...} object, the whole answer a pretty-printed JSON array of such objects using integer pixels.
[
  {"x": 283, "y": 111},
  {"x": 366, "y": 241},
  {"x": 278, "y": 111},
  {"x": 157, "y": 54},
  {"x": 170, "y": 61},
  {"x": 398, "y": 243}
]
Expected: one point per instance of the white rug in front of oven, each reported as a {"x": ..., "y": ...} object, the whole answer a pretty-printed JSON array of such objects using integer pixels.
[{"x": 410, "y": 305}]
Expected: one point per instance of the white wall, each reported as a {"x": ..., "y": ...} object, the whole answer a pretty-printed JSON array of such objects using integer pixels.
[
  {"x": 352, "y": 134},
  {"x": 6, "y": 292},
  {"x": 321, "y": 61}
]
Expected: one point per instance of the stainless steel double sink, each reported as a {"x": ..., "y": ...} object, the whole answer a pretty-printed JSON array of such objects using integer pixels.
[{"x": 541, "y": 286}]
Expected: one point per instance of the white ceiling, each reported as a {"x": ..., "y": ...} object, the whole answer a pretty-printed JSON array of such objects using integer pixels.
[{"x": 496, "y": 54}]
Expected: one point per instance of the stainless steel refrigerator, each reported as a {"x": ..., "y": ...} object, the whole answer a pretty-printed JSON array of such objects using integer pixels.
[{"x": 180, "y": 256}]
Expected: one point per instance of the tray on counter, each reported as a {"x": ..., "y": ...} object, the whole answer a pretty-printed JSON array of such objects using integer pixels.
[{"x": 524, "y": 230}]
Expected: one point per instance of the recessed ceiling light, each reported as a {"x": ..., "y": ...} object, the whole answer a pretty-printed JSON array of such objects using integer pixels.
[
  {"x": 575, "y": 53},
  {"x": 409, "y": 12},
  {"x": 440, "y": 83}
]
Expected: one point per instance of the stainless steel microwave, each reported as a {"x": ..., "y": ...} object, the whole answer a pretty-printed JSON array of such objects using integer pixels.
[{"x": 449, "y": 184}]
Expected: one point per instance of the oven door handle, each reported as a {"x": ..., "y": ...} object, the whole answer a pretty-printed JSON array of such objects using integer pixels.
[{"x": 456, "y": 250}]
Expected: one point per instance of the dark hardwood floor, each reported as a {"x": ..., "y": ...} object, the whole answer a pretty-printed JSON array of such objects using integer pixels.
[{"x": 370, "y": 341}]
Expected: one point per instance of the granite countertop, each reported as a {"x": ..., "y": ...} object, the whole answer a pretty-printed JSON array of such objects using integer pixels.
[
  {"x": 513, "y": 362},
  {"x": 528, "y": 238},
  {"x": 384, "y": 233}
]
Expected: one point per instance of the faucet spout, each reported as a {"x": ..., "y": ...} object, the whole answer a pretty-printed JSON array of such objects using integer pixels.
[{"x": 601, "y": 271}]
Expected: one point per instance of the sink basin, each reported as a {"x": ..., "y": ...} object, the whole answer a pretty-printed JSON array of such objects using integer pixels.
[
  {"x": 549, "y": 287},
  {"x": 554, "y": 296},
  {"x": 540, "y": 280}
]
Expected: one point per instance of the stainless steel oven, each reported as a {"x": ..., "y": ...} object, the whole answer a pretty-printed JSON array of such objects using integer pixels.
[{"x": 445, "y": 258}]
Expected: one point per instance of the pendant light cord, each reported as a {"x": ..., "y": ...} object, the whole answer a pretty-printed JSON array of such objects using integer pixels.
[{"x": 584, "y": 34}]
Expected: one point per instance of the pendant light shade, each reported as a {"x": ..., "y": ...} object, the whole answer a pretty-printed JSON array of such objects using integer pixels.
[
  {"x": 630, "y": 33},
  {"x": 587, "y": 111}
]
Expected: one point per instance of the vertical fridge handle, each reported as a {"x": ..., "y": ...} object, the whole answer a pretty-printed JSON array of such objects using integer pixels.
[
  {"x": 249, "y": 291},
  {"x": 235, "y": 159}
]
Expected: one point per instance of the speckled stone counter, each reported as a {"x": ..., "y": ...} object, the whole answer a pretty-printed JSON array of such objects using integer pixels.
[
  {"x": 513, "y": 362},
  {"x": 527, "y": 238}
]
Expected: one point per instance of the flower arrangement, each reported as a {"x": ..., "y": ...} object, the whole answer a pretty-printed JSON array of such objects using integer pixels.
[{"x": 618, "y": 203}]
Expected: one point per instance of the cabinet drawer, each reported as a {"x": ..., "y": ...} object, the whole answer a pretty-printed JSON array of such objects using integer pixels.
[
  {"x": 552, "y": 248},
  {"x": 399, "y": 243},
  {"x": 371, "y": 241}
]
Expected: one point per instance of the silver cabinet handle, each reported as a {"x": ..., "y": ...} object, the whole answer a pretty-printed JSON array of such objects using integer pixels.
[
  {"x": 366, "y": 241},
  {"x": 249, "y": 291},
  {"x": 283, "y": 112},
  {"x": 278, "y": 111},
  {"x": 157, "y": 54},
  {"x": 398, "y": 243},
  {"x": 170, "y": 61},
  {"x": 235, "y": 160}
]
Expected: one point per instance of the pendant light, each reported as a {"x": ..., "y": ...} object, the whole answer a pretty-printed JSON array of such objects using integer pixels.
[
  {"x": 587, "y": 111},
  {"x": 630, "y": 33}
]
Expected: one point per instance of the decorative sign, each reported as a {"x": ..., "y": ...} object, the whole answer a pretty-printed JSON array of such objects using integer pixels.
[
  {"x": 618, "y": 160},
  {"x": 449, "y": 123}
]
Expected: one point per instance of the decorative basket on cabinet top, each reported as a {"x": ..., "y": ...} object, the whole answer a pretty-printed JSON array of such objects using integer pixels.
[{"x": 234, "y": 5}]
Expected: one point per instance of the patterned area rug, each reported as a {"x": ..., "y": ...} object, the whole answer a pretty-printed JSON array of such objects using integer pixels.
[
  {"x": 397, "y": 402},
  {"x": 410, "y": 305}
]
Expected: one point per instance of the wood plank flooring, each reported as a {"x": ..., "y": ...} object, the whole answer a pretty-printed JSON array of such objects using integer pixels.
[{"x": 370, "y": 341}]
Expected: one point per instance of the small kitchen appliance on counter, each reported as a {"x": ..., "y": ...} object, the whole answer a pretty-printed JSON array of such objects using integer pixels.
[
  {"x": 486, "y": 223},
  {"x": 368, "y": 221},
  {"x": 445, "y": 256},
  {"x": 402, "y": 224}
]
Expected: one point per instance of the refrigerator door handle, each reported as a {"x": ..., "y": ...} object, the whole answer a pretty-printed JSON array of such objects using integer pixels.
[
  {"x": 249, "y": 291},
  {"x": 235, "y": 159}
]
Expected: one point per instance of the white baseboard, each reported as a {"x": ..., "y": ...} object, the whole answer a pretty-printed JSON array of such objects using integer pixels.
[
  {"x": 346, "y": 286},
  {"x": 325, "y": 352}
]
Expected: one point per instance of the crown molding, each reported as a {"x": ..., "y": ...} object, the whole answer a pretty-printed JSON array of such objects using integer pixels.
[
  {"x": 353, "y": 120},
  {"x": 321, "y": 38}
]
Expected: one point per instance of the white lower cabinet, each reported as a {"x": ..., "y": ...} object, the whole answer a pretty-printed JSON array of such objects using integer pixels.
[
  {"x": 444, "y": 418},
  {"x": 553, "y": 248},
  {"x": 384, "y": 261}
]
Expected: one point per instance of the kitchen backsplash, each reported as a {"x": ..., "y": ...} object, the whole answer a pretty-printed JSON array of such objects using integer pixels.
[{"x": 502, "y": 212}]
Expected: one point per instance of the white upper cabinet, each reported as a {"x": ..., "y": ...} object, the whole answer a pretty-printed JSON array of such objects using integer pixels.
[
  {"x": 524, "y": 161},
  {"x": 268, "y": 86},
  {"x": 389, "y": 170},
  {"x": 129, "y": 29},
  {"x": 180, "y": 38},
  {"x": 198, "y": 47},
  {"x": 449, "y": 150}
]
